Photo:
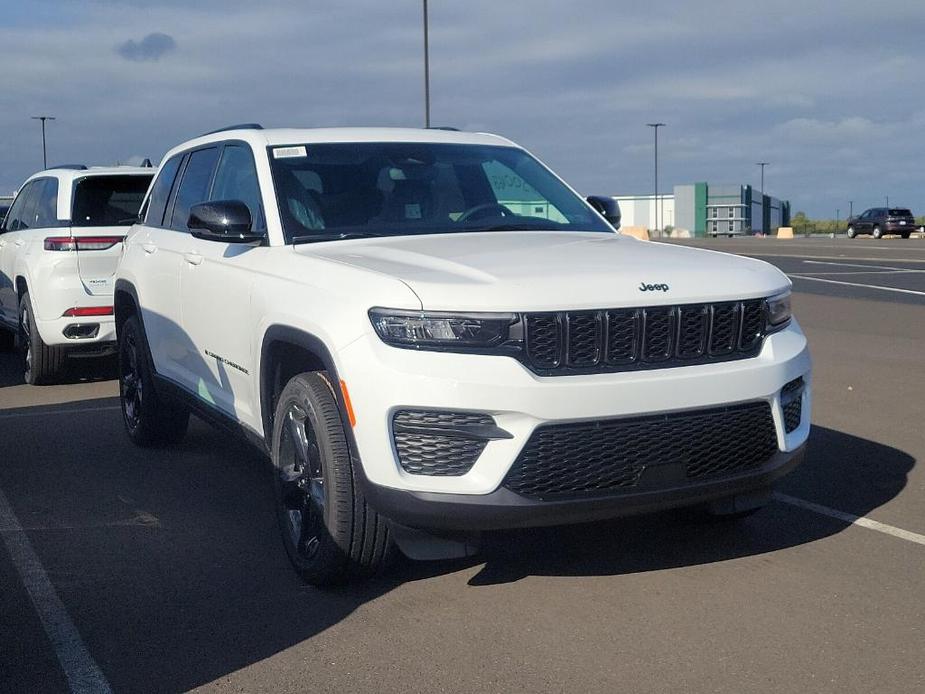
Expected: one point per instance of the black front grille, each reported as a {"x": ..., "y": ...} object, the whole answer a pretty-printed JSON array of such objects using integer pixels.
[
  {"x": 439, "y": 443},
  {"x": 642, "y": 453},
  {"x": 791, "y": 398},
  {"x": 569, "y": 342}
]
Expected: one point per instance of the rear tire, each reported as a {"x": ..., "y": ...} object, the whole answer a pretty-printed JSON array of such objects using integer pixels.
[
  {"x": 906, "y": 234},
  {"x": 42, "y": 363},
  {"x": 878, "y": 233},
  {"x": 851, "y": 233},
  {"x": 150, "y": 419},
  {"x": 329, "y": 531}
]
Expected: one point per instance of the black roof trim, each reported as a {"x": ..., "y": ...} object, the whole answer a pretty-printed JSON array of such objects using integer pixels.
[
  {"x": 239, "y": 126},
  {"x": 444, "y": 127},
  {"x": 73, "y": 167}
]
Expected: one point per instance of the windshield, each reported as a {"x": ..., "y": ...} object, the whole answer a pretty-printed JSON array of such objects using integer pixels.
[
  {"x": 101, "y": 201},
  {"x": 344, "y": 190}
]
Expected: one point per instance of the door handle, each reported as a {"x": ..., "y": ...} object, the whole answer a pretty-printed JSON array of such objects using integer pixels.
[
  {"x": 193, "y": 258},
  {"x": 19, "y": 242},
  {"x": 148, "y": 248}
]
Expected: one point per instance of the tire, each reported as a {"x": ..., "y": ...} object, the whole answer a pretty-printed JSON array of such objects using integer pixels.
[
  {"x": 906, "y": 234},
  {"x": 42, "y": 364},
  {"x": 851, "y": 233},
  {"x": 150, "y": 419},
  {"x": 329, "y": 531},
  {"x": 878, "y": 233}
]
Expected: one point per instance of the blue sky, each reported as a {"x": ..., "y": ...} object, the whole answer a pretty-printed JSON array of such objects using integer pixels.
[{"x": 828, "y": 92}]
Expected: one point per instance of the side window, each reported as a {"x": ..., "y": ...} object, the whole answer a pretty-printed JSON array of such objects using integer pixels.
[
  {"x": 194, "y": 186},
  {"x": 236, "y": 179},
  {"x": 517, "y": 195},
  {"x": 46, "y": 206},
  {"x": 23, "y": 212},
  {"x": 11, "y": 223},
  {"x": 160, "y": 192}
]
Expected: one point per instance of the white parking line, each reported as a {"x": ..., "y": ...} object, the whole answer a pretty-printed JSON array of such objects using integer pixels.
[
  {"x": 81, "y": 671},
  {"x": 73, "y": 410},
  {"x": 851, "y": 518},
  {"x": 858, "y": 284},
  {"x": 872, "y": 267}
]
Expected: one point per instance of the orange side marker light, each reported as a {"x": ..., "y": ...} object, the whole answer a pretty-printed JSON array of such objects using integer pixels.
[{"x": 348, "y": 404}]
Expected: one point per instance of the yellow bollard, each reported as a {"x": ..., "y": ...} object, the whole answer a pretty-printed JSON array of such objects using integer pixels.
[
  {"x": 640, "y": 233},
  {"x": 785, "y": 233}
]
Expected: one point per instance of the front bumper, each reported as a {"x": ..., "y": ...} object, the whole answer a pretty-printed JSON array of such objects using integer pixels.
[
  {"x": 503, "y": 508},
  {"x": 383, "y": 379}
]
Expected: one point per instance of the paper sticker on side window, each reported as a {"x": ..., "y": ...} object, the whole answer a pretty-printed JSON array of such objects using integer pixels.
[{"x": 287, "y": 152}]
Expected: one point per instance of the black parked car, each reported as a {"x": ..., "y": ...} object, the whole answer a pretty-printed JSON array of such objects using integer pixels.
[{"x": 882, "y": 220}]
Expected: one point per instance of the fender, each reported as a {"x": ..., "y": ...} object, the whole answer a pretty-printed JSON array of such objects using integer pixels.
[{"x": 285, "y": 334}]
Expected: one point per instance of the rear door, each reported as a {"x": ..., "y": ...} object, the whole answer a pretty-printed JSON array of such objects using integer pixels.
[{"x": 102, "y": 211}]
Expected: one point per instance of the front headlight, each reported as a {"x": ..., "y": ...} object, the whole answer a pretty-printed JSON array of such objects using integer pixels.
[
  {"x": 778, "y": 311},
  {"x": 440, "y": 330}
]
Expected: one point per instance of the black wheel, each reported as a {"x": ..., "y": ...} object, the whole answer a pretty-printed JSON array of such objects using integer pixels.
[
  {"x": 150, "y": 419},
  {"x": 42, "y": 363},
  {"x": 330, "y": 533},
  {"x": 851, "y": 233},
  {"x": 878, "y": 233},
  {"x": 906, "y": 234}
]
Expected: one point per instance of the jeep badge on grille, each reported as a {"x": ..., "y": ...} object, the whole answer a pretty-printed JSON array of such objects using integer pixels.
[{"x": 643, "y": 287}]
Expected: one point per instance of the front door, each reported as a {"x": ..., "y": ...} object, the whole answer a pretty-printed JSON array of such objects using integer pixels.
[{"x": 223, "y": 330}]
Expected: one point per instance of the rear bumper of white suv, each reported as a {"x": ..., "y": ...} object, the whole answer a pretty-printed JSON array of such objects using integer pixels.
[{"x": 570, "y": 420}]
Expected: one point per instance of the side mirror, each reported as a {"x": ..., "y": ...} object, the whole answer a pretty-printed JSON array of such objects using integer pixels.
[
  {"x": 222, "y": 220},
  {"x": 608, "y": 208}
]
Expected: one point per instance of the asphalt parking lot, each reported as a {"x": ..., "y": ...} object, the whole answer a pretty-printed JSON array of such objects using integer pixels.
[{"x": 163, "y": 570}]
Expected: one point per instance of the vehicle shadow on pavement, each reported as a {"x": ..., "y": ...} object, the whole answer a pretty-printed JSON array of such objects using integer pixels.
[
  {"x": 169, "y": 561},
  {"x": 841, "y": 471},
  {"x": 75, "y": 370}
]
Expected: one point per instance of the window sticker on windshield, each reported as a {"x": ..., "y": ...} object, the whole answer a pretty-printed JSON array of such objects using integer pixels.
[
  {"x": 413, "y": 211},
  {"x": 289, "y": 152}
]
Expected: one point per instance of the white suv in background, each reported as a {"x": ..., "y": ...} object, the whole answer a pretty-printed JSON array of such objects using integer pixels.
[
  {"x": 59, "y": 246},
  {"x": 431, "y": 335}
]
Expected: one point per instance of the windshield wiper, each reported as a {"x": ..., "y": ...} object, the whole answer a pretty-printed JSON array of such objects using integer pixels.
[
  {"x": 311, "y": 238},
  {"x": 508, "y": 227}
]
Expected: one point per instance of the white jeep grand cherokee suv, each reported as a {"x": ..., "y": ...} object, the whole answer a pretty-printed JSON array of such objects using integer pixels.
[
  {"x": 59, "y": 246},
  {"x": 430, "y": 335}
]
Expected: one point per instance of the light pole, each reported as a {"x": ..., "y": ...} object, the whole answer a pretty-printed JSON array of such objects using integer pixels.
[
  {"x": 426, "y": 71},
  {"x": 850, "y": 209},
  {"x": 655, "y": 127},
  {"x": 44, "y": 155},
  {"x": 887, "y": 200},
  {"x": 837, "y": 213}
]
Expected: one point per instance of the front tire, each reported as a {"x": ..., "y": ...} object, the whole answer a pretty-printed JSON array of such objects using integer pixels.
[
  {"x": 851, "y": 233},
  {"x": 329, "y": 531},
  {"x": 150, "y": 420},
  {"x": 878, "y": 233},
  {"x": 42, "y": 363}
]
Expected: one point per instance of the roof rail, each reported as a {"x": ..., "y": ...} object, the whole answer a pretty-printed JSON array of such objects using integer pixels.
[
  {"x": 443, "y": 127},
  {"x": 239, "y": 126},
  {"x": 74, "y": 167}
]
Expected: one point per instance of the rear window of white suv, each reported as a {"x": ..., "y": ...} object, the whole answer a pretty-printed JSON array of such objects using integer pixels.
[{"x": 101, "y": 201}]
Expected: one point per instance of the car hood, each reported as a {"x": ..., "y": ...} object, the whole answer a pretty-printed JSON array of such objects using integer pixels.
[{"x": 536, "y": 271}]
